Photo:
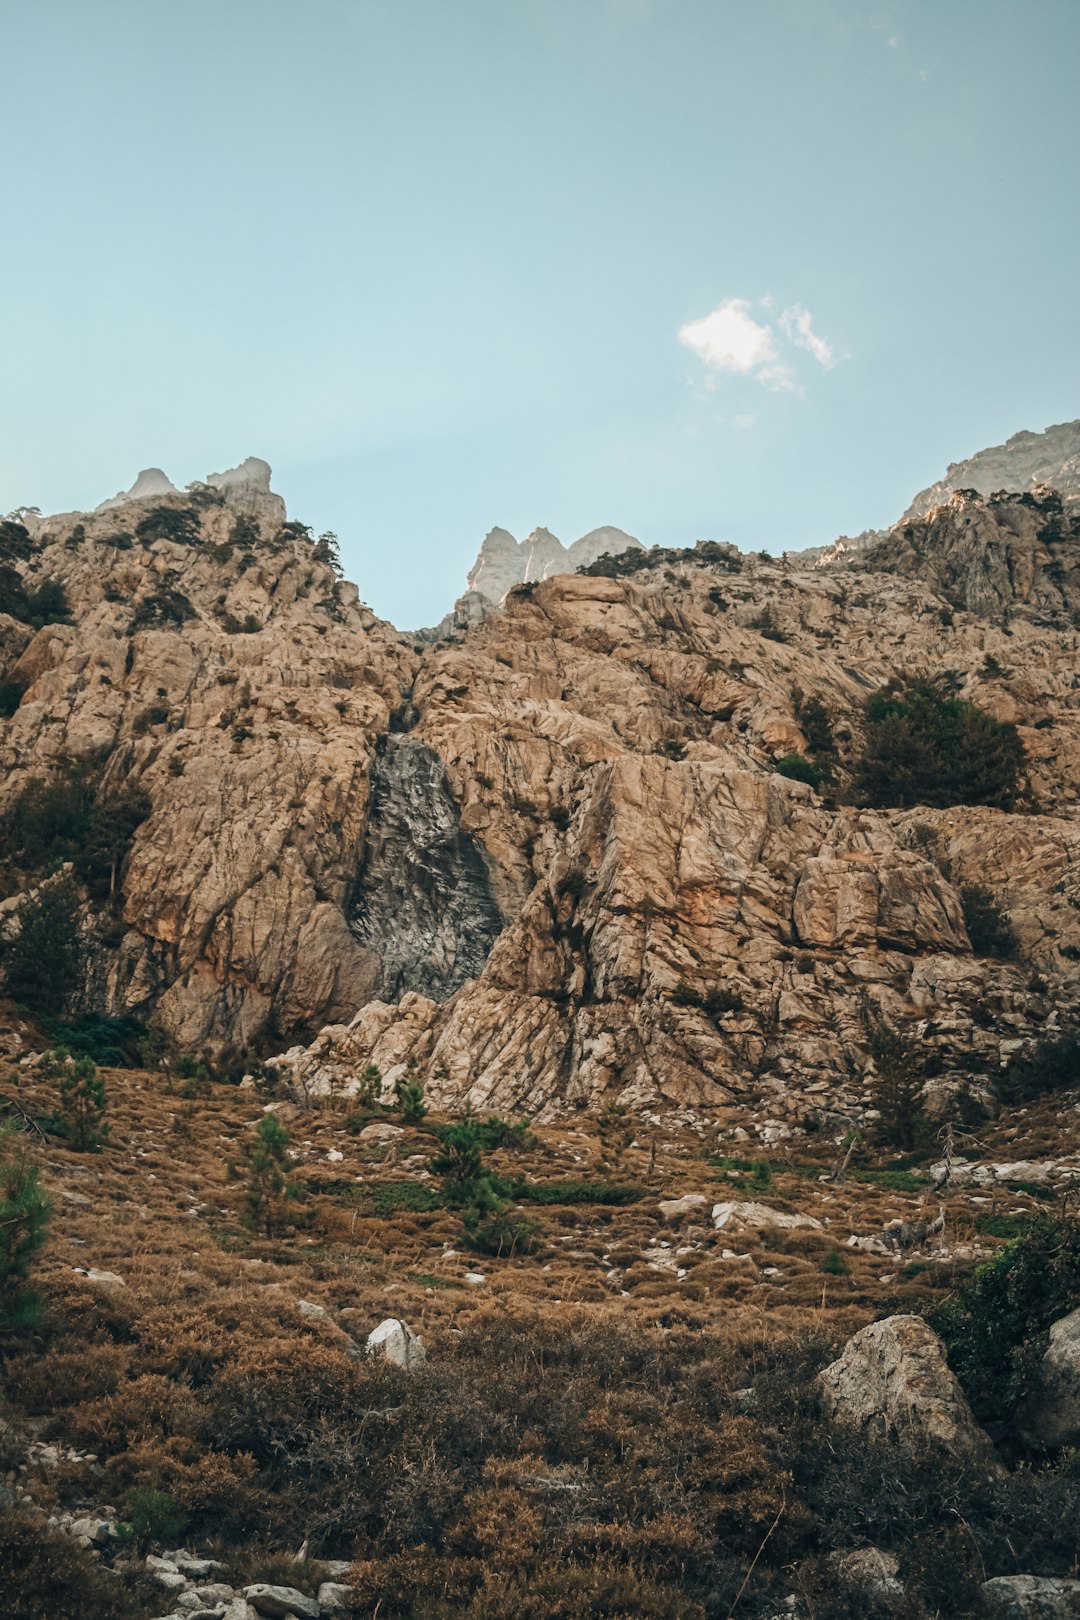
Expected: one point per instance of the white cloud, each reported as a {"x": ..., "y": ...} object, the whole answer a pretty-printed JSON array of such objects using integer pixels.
[
  {"x": 797, "y": 325},
  {"x": 730, "y": 339}
]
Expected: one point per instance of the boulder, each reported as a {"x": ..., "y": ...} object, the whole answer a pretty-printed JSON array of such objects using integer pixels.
[
  {"x": 1030, "y": 1597},
  {"x": 673, "y": 1209},
  {"x": 873, "y": 1569},
  {"x": 281, "y": 1602},
  {"x": 335, "y": 1597},
  {"x": 893, "y": 1380},
  {"x": 397, "y": 1342},
  {"x": 1050, "y": 1415},
  {"x": 751, "y": 1214}
]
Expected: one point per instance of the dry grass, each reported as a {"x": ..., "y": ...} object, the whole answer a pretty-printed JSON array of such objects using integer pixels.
[{"x": 591, "y": 1367}]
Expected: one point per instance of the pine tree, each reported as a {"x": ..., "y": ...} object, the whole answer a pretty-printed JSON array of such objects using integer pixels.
[
  {"x": 82, "y": 1105},
  {"x": 269, "y": 1189},
  {"x": 896, "y": 1092},
  {"x": 42, "y": 964},
  {"x": 24, "y": 1218}
]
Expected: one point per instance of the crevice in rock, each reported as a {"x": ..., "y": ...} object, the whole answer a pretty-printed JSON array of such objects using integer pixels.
[{"x": 423, "y": 903}]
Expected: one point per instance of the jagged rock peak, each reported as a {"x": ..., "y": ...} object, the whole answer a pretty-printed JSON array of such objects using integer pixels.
[
  {"x": 150, "y": 482},
  {"x": 245, "y": 487},
  {"x": 504, "y": 562},
  {"x": 1021, "y": 463}
]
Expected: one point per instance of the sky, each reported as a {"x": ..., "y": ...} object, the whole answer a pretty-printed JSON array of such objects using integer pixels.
[{"x": 702, "y": 269}]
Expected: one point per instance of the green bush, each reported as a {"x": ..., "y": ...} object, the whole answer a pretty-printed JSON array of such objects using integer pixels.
[
  {"x": 995, "y": 1328},
  {"x": 177, "y": 523},
  {"x": 1051, "y": 1065},
  {"x": 577, "y": 1192},
  {"x": 925, "y": 747},
  {"x": 797, "y": 768},
  {"x": 989, "y": 929},
  {"x": 269, "y": 1191},
  {"x": 389, "y": 1197},
  {"x": 115, "y": 1043},
  {"x": 43, "y": 964},
  {"x": 499, "y": 1232},
  {"x": 162, "y": 608},
  {"x": 24, "y": 1219},
  {"x": 151, "y": 1517},
  {"x": 896, "y": 1091},
  {"x": 82, "y": 1103}
]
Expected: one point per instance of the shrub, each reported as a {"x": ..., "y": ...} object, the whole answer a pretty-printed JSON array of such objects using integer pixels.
[
  {"x": 833, "y": 1264},
  {"x": 578, "y": 1192},
  {"x": 82, "y": 1105},
  {"x": 896, "y": 1091},
  {"x": 410, "y": 1097},
  {"x": 24, "y": 1219},
  {"x": 114, "y": 1042},
  {"x": 989, "y": 929},
  {"x": 1051, "y": 1065},
  {"x": 995, "y": 1328},
  {"x": 47, "y": 821},
  {"x": 499, "y": 1232},
  {"x": 42, "y": 965},
  {"x": 151, "y": 1516},
  {"x": 389, "y": 1197},
  {"x": 925, "y": 747},
  {"x": 44, "y": 1573},
  {"x": 269, "y": 1191},
  {"x": 47, "y": 605},
  {"x": 800, "y": 769},
  {"x": 815, "y": 723},
  {"x": 179, "y": 524},
  {"x": 110, "y": 830},
  {"x": 161, "y": 608},
  {"x": 11, "y": 695}
]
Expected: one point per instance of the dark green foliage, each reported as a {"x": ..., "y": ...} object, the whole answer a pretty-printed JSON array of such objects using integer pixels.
[
  {"x": 499, "y": 1232},
  {"x": 577, "y": 1192},
  {"x": 179, "y": 524},
  {"x": 245, "y": 530},
  {"x": 637, "y": 558},
  {"x": 24, "y": 1219},
  {"x": 58, "y": 821},
  {"x": 765, "y": 624},
  {"x": 294, "y": 531},
  {"x": 47, "y": 605},
  {"x": 111, "y": 827},
  {"x": 895, "y": 1180},
  {"x": 151, "y": 1516},
  {"x": 117, "y": 1043},
  {"x": 388, "y": 1197},
  {"x": 815, "y": 723},
  {"x": 925, "y": 747},
  {"x": 410, "y": 1098},
  {"x": 82, "y": 1104},
  {"x": 269, "y": 1190},
  {"x": 162, "y": 608},
  {"x": 42, "y": 964},
  {"x": 989, "y": 929},
  {"x": 833, "y": 1264},
  {"x": 48, "y": 822},
  {"x": 896, "y": 1091},
  {"x": 326, "y": 550},
  {"x": 800, "y": 769},
  {"x": 1052, "y": 1065},
  {"x": 572, "y": 885},
  {"x": 995, "y": 1328},
  {"x": 11, "y": 695},
  {"x": 15, "y": 542}
]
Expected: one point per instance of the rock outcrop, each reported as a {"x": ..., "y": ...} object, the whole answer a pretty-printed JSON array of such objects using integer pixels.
[
  {"x": 1027, "y": 460},
  {"x": 1049, "y": 1418},
  {"x": 504, "y": 561}
]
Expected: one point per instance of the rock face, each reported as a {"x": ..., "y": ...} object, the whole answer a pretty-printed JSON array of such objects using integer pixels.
[
  {"x": 150, "y": 483},
  {"x": 1050, "y": 1416},
  {"x": 893, "y": 1380},
  {"x": 1023, "y": 462},
  {"x": 423, "y": 906},
  {"x": 551, "y": 862}
]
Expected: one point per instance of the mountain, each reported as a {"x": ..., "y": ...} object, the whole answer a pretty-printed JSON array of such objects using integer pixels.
[{"x": 552, "y": 861}]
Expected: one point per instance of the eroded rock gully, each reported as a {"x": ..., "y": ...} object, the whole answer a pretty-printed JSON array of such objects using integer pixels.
[
  {"x": 590, "y": 768},
  {"x": 423, "y": 905}
]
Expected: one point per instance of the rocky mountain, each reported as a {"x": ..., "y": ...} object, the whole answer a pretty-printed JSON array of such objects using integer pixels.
[
  {"x": 504, "y": 561},
  {"x": 552, "y": 862},
  {"x": 1024, "y": 462}
]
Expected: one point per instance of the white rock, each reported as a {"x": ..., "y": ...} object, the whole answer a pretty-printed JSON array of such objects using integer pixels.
[
  {"x": 672, "y": 1209},
  {"x": 278, "y": 1602},
  {"x": 397, "y": 1342},
  {"x": 334, "y": 1596},
  {"x": 1030, "y": 1597},
  {"x": 751, "y": 1214}
]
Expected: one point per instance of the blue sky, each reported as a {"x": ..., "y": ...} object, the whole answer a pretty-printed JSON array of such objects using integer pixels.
[{"x": 749, "y": 271}]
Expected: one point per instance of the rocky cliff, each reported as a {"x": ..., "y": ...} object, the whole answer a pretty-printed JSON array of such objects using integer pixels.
[{"x": 552, "y": 861}]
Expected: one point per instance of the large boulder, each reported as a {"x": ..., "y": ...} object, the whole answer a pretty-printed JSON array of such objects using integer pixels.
[
  {"x": 893, "y": 1380},
  {"x": 1050, "y": 1416},
  {"x": 747, "y": 1213},
  {"x": 397, "y": 1342},
  {"x": 1030, "y": 1597},
  {"x": 281, "y": 1602}
]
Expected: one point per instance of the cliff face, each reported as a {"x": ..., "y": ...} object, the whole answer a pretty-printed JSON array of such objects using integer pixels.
[
  {"x": 1022, "y": 463},
  {"x": 551, "y": 861}
]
